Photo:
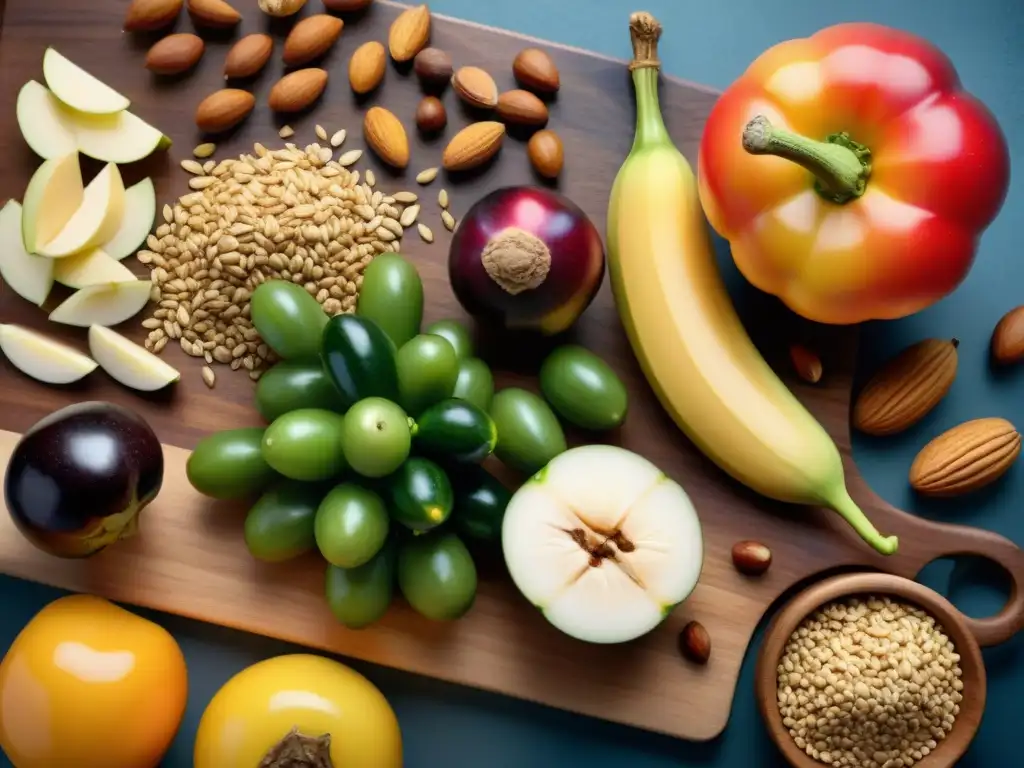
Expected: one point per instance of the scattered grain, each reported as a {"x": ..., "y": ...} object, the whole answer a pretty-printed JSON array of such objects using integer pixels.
[
  {"x": 426, "y": 176},
  {"x": 350, "y": 157},
  {"x": 209, "y": 377},
  {"x": 286, "y": 132},
  {"x": 204, "y": 150},
  {"x": 320, "y": 133},
  {"x": 338, "y": 138},
  {"x": 408, "y": 217},
  {"x": 442, "y": 198},
  {"x": 405, "y": 198},
  {"x": 448, "y": 220},
  {"x": 192, "y": 166},
  {"x": 425, "y": 232},
  {"x": 369, "y": 178}
]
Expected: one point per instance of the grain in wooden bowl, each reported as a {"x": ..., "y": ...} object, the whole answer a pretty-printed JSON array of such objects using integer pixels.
[{"x": 870, "y": 670}]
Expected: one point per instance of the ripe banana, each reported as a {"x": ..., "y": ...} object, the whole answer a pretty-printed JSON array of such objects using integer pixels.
[{"x": 686, "y": 334}]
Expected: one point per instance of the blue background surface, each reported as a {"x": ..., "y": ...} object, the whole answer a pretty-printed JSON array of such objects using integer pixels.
[{"x": 712, "y": 42}]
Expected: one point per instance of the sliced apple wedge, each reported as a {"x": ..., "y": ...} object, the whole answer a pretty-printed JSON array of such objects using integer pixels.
[
  {"x": 120, "y": 138},
  {"x": 106, "y": 304},
  {"x": 44, "y": 122},
  {"x": 43, "y": 358},
  {"x": 128, "y": 363},
  {"x": 53, "y": 195},
  {"x": 78, "y": 89},
  {"x": 95, "y": 221},
  {"x": 93, "y": 267},
  {"x": 136, "y": 221},
  {"x": 29, "y": 276}
]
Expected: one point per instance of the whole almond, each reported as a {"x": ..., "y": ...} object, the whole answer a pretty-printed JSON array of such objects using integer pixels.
[
  {"x": 475, "y": 87},
  {"x": 533, "y": 68},
  {"x": 546, "y": 153},
  {"x": 695, "y": 643},
  {"x": 311, "y": 38},
  {"x": 385, "y": 135},
  {"x": 965, "y": 458},
  {"x": 1008, "y": 338},
  {"x": 806, "y": 363},
  {"x": 474, "y": 145},
  {"x": 346, "y": 6},
  {"x": 366, "y": 67},
  {"x": 906, "y": 388},
  {"x": 248, "y": 56},
  {"x": 224, "y": 110},
  {"x": 281, "y": 8},
  {"x": 148, "y": 15},
  {"x": 409, "y": 33},
  {"x": 751, "y": 557},
  {"x": 434, "y": 69},
  {"x": 175, "y": 54},
  {"x": 297, "y": 90},
  {"x": 213, "y": 13},
  {"x": 520, "y": 107}
]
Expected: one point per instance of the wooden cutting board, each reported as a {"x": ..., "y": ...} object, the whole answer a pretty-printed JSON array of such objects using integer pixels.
[{"x": 190, "y": 559}]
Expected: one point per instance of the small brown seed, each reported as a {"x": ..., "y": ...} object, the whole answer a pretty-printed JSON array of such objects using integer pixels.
[
  {"x": 434, "y": 69},
  {"x": 431, "y": 116},
  {"x": 546, "y": 153},
  {"x": 806, "y": 364},
  {"x": 1007, "y": 344},
  {"x": 751, "y": 557},
  {"x": 695, "y": 643}
]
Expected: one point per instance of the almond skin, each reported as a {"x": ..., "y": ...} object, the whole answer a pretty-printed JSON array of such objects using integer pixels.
[
  {"x": 409, "y": 33},
  {"x": 385, "y": 135},
  {"x": 520, "y": 107},
  {"x": 534, "y": 69},
  {"x": 148, "y": 15},
  {"x": 224, "y": 110},
  {"x": 175, "y": 54},
  {"x": 248, "y": 56},
  {"x": 311, "y": 38},
  {"x": 213, "y": 13},
  {"x": 546, "y": 153},
  {"x": 297, "y": 90},
  {"x": 906, "y": 388},
  {"x": 965, "y": 458},
  {"x": 475, "y": 87},
  {"x": 1008, "y": 338},
  {"x": 366, "y": 67},
  {"x": 474, "y": 145}
]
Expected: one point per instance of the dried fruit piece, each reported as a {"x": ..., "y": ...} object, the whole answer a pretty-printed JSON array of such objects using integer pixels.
[
  {"x": 431, "y": 116},
  {"x": 366, "y": 67},
  {"x": 409, "y": 33},
  {"x": 385, "y": 135},
  {"x": 224, "y": 110},
  {"x": 533, "y": 68},
  {"x": 473, "y": 145},
  {"x": 213, "y": 13},
  {"x": 965, "y": 458},
  {"x": 434, "y": 69},
  {"x": 311, "y": 38},
  {"x": 806, "y": 363},
  {"x": 149, "y": 15},
  {"x": 248, "y": 56},
  {"x": 1008, "y": 338},
  {"x": 475, "y": 87},
  {"x": 175, "y": 54},
  {"x": 546, "y": 153},
  {"x": 906, "y": 388},
  {"x": 751, "y": 557},
  {"x": 521, "y": 107},
  {"x": 297, "y": 90},
  {"x": 695, "y": 643}
]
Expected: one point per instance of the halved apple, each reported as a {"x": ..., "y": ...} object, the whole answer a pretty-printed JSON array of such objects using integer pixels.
[
  {"x": 119, "y": 138},
  {"x": 28, "y": 275},
  {"x": 78, "y": 89},
  {"x": 106, "y": 304},
  {"x": 93, "y": 267},
  {"x": 136, "y": 221},
  {"x": 95, "y": 221},
  {"x": 53, "y": 195},
  {"x": 129, "y": 363},
  {"x": 43, "y": 358},
  {"x": 45, "y": 122}
]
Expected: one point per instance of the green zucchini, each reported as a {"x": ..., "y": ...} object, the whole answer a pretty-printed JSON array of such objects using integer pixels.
[
  {"x": 455, "y": 430},
  {"x": 420, "y": 494},
  {"x": 360, "y": 359}
]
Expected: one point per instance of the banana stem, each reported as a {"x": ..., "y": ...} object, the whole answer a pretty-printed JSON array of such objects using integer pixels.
[
  {"x": 644, "y": 32},
  {"x": 854, "y": 515}
]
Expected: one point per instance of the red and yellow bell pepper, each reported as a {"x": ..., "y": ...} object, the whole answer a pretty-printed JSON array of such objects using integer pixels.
[{"x": 852, "y": 174}]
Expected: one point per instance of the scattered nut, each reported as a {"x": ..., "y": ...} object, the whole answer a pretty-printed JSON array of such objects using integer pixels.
[
  {"x": 1008, "y": 338},
  {"x": 520, "y": 107},
  {"x": 431, "y": 116},
  {"x": 408, "y": 217},
  {"x": 546, "y": 153},
  {"x": 149, "y": 15},
  {"x": 224, "y": 109},
  {"x": 409, "y": 33},
  {"x": 311, "y": 38},
  {"x": 385, "y": 135},
  {"x": 751, "y": 557},
  {"x": 175, "y": 54},
  {"x": 474, "y": 145},
  {"x": 695, "y": 643},
  {"x": 434, "y": 69},
  {"x": 534, "y": 69},
  {"x": 297, "y": 90},
  {"x": 213, "y": 13},
  {"x": 320, "y": 131},
  {"x": 475, "y": 87},
  {"x": 806, "y": 364},
  {"x": 281, "y": 8},
  {"x": 248, "y": 56},
  {"x": 366, "y": 67},
  {"x": 967, "y": 457}
]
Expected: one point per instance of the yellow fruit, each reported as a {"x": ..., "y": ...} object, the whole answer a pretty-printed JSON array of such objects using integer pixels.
[{"x": 686, "y": 334}]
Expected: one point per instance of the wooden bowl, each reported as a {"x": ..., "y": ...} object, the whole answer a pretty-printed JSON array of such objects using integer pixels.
[{"x": 950, "y": 749}]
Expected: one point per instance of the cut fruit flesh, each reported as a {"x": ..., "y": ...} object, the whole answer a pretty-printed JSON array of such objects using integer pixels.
[
  {"x": 106, "y": 305},
  {"x": 120, "y": 138},
  {"x": 44, "y": 122},
  {"x": 43, "y": 358},
  {"x": 28, "y": 275},
  {"x": 136, "y": 221},
  {"x": 78, "y": 89},
  {"x": 90, "y": 268},
  {"x": 603, "y": 543},
  {"x": 95, "y": 221},
  {"x": 53, "y": 195},
  {"x": 129, "y": 363}
]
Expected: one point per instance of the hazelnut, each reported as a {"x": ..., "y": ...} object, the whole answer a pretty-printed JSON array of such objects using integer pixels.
[
  {"x": 535, "y": 70},
  {"x": 434, "y": 68},
  {"x": 430, "y": 115},
  {"x": 751, "y": 557},
  {"x": 546, "y": 154},
  {"x": 695, "y": 643}
]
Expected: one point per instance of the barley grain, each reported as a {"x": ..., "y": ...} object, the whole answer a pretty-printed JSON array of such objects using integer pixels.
[
  {"x": 320, "y": 133},
  {"x": 204, "y": 150},
  {"x": 425, "y": 232},
  {"x": 338, "y": 138},
  {"x": 442, "y": 198},
  {"x": 286, "y": 132},
  {"x": 426, "y": 176}
]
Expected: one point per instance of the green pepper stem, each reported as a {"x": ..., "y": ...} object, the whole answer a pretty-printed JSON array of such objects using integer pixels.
[
  {"x": 644, "y": 32},
  {"x": 841, "y": 166},
  {"x": 854, "y": 515}
]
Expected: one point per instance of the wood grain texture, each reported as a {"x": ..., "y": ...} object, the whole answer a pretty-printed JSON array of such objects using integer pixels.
[{"x": 190, "y": 558}]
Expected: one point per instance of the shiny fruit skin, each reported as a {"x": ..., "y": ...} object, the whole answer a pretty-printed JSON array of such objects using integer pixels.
[
  {"x": 427, "y": 372},
  {"x": 360, "y": 358},
  {"x": 457, "y": 334},
  {"x": 392, "y": 296},
  {"x": 529, "y": 435},
  {"x": 294, "y": 384},
  {"x": 480, "y": 502},
  {"x": 289, "y": 320},
  {"x": 583, "y": 389},
  {"x": 306, "y": 444},
  {"x": 358, "y": 597},
  {"x": 420, "y": 494},
  {"x": 230, "y": 464},
  {"x": 257, "y": 708},
  {"x": 280, "y": 525},
  {"x": 90, "y": 685},
  {"x": 351, "y": 526},
  {"x": 455, "y": 430},
  {"x": 376, "y": 437},
  {"x": 437, "y": 576},
  {"x": 475, "y": 383}
]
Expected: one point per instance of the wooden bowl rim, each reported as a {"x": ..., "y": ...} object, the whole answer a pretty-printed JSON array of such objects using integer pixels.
[{"x": 950, "y": 749}]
